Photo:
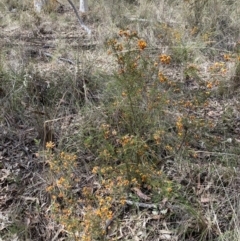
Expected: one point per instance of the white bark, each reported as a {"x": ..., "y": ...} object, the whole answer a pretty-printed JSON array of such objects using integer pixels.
[
  {"x": 79, "y": 19},
  {"x": 83, "y": 6},
  {"x": 38, "y": 5}
]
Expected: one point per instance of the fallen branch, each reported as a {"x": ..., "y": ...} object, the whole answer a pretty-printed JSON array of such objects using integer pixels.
[{"x": 142, "y": 205}]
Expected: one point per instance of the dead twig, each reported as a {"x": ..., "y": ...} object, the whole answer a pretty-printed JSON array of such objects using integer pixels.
[
  {"x": 62, "y": 59},
  {"x": 79, "y": 19},
  {"x": 142, "y": 205}
]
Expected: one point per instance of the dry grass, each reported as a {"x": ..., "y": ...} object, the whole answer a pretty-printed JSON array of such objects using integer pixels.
[{"x": 142, "y": 128}]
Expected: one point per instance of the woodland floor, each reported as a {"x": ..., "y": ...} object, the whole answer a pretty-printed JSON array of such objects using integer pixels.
[{"x": 211, "y": 181}]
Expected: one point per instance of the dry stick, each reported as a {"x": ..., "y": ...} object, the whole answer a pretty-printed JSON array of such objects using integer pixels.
[
  {"x": 142, "y": 205},
  {"x": 57, "y": 233},
  {"x": 128, "y": 202},
  {"x": 45, "y": 125},
  {"x": 79, "y": 19},
  {"x": 117, "y": 214},
  {"x": 62, "y": 59},
  {"x": 217, "y": 153}
]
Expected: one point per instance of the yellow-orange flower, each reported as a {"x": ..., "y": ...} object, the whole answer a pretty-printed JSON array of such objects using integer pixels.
[
  {"x": 165, "y": 59},
  {"x": 209, "y": 85},
  {"x": 226, "y": 57},
  {"x": 161, "y": 77},
  {"x": 142, "y": 44},
  {"x": 125, "y": 33},
  {"x": 50, "y": 145}
]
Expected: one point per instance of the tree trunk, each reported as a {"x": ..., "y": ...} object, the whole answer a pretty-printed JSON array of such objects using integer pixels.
[
  {"x": 83, "y": 8},
  {"x": 50, "y": 5},
  {"x": 38, "y": 5}
]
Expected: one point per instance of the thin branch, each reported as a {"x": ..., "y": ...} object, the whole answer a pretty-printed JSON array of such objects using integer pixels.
[
  {"x": 62, "y": 59},
  {"x": 79, "y": 19}
]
